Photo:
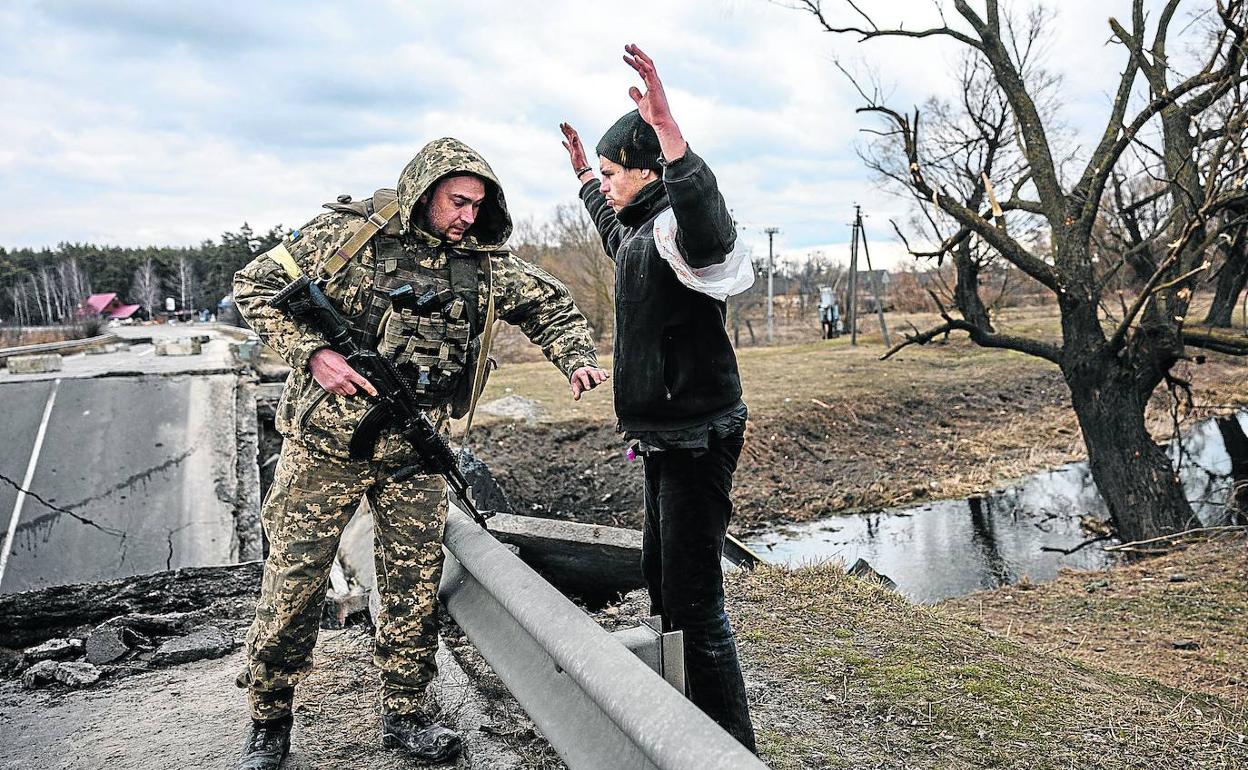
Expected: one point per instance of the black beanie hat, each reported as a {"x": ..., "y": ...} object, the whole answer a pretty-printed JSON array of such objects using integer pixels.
[{"x": 631, "y": 142}]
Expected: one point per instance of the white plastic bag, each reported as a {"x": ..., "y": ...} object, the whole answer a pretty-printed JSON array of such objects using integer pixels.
[{"x": 721, "y": 281}]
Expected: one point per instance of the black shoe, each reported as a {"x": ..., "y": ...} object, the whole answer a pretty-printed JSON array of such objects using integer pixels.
[
  {"x": 267, "y": 745},
  {"x": 424, "y": 738}
]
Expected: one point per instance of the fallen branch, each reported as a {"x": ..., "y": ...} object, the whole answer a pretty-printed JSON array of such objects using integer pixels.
[
  {"x": 1084, "y": 544},
  {"x": 1133, "y": 546}
]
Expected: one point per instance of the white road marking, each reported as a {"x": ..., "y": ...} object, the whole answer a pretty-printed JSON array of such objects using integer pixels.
[
  {"x": 30, "y": 475},
  {"x": 149, "y": 350}
]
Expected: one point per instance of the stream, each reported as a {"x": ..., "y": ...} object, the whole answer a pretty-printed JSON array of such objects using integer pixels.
[{"x": 948, "y": 548}]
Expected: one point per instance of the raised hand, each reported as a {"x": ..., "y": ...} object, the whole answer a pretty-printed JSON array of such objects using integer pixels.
[
  {"x": 576, "y": 151},
  {"x": 653, "y": 103}
]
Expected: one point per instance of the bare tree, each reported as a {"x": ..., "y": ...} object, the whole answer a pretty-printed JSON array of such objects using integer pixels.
[
  {"x": 185, "y": 284},
  {"x": 589, "y": 273},
  {"x": 1111, "y": 372},
  {"x": 145, "y": 287}
]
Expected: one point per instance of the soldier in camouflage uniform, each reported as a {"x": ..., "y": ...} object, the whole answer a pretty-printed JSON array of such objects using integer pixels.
[{"x": 452, "y": 222}]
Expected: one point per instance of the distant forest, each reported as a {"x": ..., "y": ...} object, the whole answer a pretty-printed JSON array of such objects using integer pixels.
[{"x": 45, "y": 286}]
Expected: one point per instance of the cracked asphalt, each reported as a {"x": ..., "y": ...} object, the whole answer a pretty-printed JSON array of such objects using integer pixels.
[{"x": 135, "y": 472}]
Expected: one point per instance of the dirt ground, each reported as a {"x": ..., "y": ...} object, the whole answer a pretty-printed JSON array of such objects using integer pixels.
[
  {"x": 1181, "y": 618},
  {"x": 846, "y": 675},
  {"x": 833, "y": 429}
]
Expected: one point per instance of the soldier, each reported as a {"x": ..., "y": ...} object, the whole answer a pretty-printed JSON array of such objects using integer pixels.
[
  {"x": 445, "y": 241},
  {"x": 677, "y": 390}
]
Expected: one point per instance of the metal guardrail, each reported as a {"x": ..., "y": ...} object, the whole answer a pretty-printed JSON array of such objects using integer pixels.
[
  {"x": 597, "y": 703},
  {"x": 58, "y": 347}
]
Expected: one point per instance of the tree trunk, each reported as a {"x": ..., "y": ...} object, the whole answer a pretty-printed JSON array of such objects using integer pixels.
[
  {"x": 1230, "y": 285},
  {"x": 1133, "y": 474},
  {"x": 966, "y": 290}
]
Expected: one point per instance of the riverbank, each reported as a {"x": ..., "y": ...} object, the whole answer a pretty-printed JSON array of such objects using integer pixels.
[
  {"x": 1179, "y": 618},
  {"x": 833, "y": 429},
  {"x": 848, "y": 675}
]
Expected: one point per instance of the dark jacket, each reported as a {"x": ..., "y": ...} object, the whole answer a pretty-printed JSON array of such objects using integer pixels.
[{"x": 674, "y": 364}]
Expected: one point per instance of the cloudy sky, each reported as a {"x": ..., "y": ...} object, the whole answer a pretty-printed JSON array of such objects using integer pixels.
[{"x": 134, "y": 122}]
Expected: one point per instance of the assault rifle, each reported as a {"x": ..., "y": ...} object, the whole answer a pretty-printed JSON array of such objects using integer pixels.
[{"x": 394, "y": 404}]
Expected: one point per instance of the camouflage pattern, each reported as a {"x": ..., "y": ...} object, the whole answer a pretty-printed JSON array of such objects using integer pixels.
[
  {"x": 317, "y": 487},
  {"x": 524, "y": 295},
  {"x": 312, "y": 498}
]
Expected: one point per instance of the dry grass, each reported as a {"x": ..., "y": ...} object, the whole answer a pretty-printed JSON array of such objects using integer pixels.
[
  {"x": 1128, "y": 619},
  {"x": 848, "y": 675}
]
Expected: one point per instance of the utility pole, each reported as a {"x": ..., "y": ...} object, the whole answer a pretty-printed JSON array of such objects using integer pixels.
[
  {"x": 860, "y": 233},
  {"x": 853, "y": 284},
  {"x": 875, "y": 278},
  {"x": 771, "y": 293}
]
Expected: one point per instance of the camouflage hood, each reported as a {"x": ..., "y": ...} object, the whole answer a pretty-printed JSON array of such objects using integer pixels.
[{"x": 451, "y": 156}]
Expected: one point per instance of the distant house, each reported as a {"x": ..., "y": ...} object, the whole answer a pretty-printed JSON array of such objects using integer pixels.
[
  {"x": 868, "y": 281},
  {"x": 106, "y": 306}
]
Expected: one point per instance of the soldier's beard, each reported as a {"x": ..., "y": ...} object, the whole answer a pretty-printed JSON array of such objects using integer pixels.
[{"x": 423, "y": 222}]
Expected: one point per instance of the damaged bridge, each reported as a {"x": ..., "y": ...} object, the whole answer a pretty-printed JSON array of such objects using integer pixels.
[{"x": 120, "y": 463}]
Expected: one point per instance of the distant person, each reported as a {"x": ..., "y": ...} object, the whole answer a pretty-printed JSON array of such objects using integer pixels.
[
  {"x": 677, "y": 390},
  {"x": 448, "y": 234}
]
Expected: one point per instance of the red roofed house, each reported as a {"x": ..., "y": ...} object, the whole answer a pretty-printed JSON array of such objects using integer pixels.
[{"x": 106, "y": 306}]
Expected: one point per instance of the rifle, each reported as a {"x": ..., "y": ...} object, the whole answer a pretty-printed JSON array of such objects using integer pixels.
[{"x": 394, "y": 404}]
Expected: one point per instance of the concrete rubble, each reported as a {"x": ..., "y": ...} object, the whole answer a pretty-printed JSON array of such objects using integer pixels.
[
  {"x": 187, "y": 346},
  {"x": 201, "y": 643},
  {"x": 53, "y": 649},
  {"x": 71, "y": 674},
  {"x": 35, "y": 364}
]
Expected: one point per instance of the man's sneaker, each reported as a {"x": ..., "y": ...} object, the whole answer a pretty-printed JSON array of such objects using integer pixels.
[
  {"x": 267, "y": 745},
  {"x": 424, "y": 738}
]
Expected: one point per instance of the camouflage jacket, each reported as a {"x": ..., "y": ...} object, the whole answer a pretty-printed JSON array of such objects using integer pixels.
[{"x": 524, "y": 295}]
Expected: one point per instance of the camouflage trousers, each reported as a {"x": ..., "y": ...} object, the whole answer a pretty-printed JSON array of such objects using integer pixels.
[{"x": 312, "y": 498}]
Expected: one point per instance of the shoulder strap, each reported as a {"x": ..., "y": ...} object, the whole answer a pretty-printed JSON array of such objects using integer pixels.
[
  {"x": 483, "y": 355},
  {"x": 372, "y": 225}
]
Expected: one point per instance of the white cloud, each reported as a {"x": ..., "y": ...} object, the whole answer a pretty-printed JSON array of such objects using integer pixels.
[{"x": 152, "y": 122}]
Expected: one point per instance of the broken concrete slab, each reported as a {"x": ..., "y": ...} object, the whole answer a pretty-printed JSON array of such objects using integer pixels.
[
  {"x": 107, "y": 643},
  {"x": 54, "y": 649},
  {"x": 187, "y": 346},
  {"x": 201, "y": 643},
  {"x": 36, "y": 364},
  {"x": 77, "y": 674},
  {"x": 35, "y": 616},
  {"x": 579, "y": 557},
  {"x": 41, "y": 674}
]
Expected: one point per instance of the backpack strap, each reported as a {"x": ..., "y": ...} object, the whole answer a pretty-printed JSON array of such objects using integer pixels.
[
  {"x": 372, "y": 224},
  {"x": 483, "y": 353}
]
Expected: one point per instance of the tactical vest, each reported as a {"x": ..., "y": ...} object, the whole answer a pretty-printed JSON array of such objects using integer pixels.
[{"x": 435, "y": 343}]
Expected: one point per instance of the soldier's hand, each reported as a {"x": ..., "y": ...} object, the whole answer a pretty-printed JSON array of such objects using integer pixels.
[
  {"x": 576, "y": 150},
  {"x": 333, "y": 373},
  {"x": 587, "y": 378}
]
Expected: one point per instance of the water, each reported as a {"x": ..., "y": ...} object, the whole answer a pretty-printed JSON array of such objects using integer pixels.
[{"x": 954, "y": 547}]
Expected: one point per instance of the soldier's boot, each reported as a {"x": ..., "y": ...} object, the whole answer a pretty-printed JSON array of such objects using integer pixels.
[
  {"x": 417, "y": 733},
  {"x": 267, "y": 745}
]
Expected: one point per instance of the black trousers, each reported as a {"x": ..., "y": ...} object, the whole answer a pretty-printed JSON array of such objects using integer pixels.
[{"x": 688, "y": 505}]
